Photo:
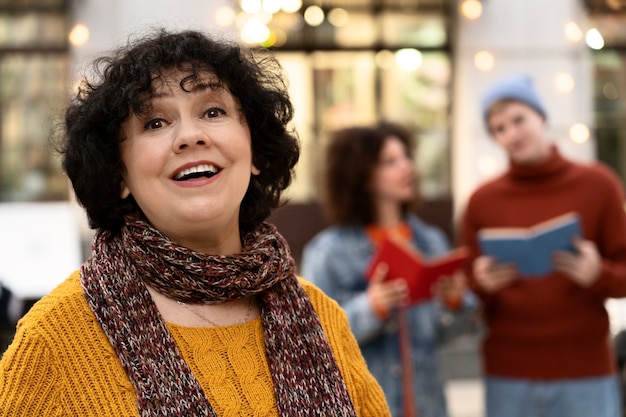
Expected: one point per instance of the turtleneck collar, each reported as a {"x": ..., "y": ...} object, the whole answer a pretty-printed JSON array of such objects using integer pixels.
[{"x": 554, "y": 163}]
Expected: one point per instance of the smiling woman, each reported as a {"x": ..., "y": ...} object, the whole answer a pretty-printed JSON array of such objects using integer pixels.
[{"x": 189, "y": 304}]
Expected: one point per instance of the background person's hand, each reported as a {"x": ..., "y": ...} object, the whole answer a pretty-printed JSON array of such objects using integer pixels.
[
  {"x": 492, "y": 276},
  {"x": 450, "y": 288},
  {"x": 386, "y": 295},
  {"x": 584, "y": 266}
]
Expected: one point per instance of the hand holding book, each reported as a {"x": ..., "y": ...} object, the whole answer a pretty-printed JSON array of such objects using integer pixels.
[
  {"x": 406, "y": 263},
  {"x": 384, "y": 295},
  {"x": 450, "y": 289},
  {"x": 492, "y": 276},
  {"x": 531, "y": 249},
  {"x": 584, "y": 266}
]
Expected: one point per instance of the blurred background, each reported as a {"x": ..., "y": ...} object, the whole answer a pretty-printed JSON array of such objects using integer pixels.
[{"x": 423, "y": 63}]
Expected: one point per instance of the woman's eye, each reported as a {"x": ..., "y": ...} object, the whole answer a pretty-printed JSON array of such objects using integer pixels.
[
  {"x": 214, "y": 112},
  {"x": 154, "y": 124}
]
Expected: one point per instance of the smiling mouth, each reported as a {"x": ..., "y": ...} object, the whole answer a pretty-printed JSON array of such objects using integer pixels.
[{"x": 200, "y": 171}]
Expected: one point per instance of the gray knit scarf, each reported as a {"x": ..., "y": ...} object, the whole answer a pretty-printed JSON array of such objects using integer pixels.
[{"x": 307, "y": 381}]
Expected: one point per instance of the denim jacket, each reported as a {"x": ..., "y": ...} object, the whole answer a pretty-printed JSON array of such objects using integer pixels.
[{"x": 335, "y": 260}]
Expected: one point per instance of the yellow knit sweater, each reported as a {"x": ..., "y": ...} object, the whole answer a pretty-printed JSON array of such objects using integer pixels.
[{"x": 61, "y": 363}]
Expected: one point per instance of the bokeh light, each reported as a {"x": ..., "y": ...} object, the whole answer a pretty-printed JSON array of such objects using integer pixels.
[
  {"x": 484, "y": 61},
  {"x": 291, "y": 6},
  {"x": 408, "y": 59},
  {"x": 572, "y": 31},
  {"x": 251, "y": 6},
  {"x": 314, "y": 15},
  {"x": 471, "y": 9},
  {"x": 579, "y": 133},
  {"x": 487, "y": 165},
  {"x": 338, "y": 17},
  {"x": 594, "y": 39},
  {"x": 79, "y": 35},
  {"x": 564, "y": 82}
]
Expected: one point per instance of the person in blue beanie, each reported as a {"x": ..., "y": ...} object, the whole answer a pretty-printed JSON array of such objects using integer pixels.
[{"x": 547, "y": 350}]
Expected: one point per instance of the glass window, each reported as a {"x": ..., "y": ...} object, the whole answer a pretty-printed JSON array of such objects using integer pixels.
[
  {"x": 34, "y": 66},
  {"x": 329, "y": 90},
  {"x": 344, "y": 89},
  {"x": 401, "y": 30},
  {"x": 360, "y": 28},
  {"x": 609, "y": 92},
  {"x": 351, "y": 88},
  {"x": 33, "y": 30},
  {"x": 610, "y": 107}
]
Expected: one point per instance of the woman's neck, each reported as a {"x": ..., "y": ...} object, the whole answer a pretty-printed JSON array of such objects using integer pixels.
[{"x": 389, "y": 214}]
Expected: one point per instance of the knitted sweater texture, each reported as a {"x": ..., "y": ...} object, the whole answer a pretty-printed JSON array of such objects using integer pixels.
[
  {"x": 551, "y": 327},
  {"x": 60, "y": 363}
]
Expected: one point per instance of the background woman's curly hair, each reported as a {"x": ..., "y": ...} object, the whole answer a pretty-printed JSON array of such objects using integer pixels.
[{"x": 125, "y": 79}]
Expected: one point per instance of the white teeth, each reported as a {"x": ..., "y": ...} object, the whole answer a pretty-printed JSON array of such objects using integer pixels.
[{"x": 211, "y": 169}]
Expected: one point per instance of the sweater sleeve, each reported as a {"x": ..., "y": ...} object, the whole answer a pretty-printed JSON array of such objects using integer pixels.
[
  {"x": 29, "y": 378},
  {"x": 468, "y": 237},
  {"x": 366, "y": 394},
  {"x": 611, "y": 238}
]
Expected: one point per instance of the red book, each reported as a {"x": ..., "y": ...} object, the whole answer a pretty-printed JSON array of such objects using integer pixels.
[{"x": 405, "y": 262}]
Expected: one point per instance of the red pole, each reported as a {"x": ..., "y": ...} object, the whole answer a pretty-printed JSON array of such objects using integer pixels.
[{"x": 407, "y": 365}]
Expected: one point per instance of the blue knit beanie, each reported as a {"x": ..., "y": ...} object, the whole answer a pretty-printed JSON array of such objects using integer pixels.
[{"x": 517, "y": 87}]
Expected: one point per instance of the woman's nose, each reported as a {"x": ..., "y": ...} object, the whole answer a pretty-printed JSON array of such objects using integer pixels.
[
  {"x": 408, "y": 164},
  {"x": 189, "y": 134}
]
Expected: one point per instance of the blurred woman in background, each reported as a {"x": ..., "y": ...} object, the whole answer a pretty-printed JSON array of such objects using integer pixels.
[{"x": 370, "y": 189}]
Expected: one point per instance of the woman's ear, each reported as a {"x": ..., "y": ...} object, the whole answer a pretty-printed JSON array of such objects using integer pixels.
[
  {"x": 254, "y": 170},
  {"x": 125, "y": 191}
]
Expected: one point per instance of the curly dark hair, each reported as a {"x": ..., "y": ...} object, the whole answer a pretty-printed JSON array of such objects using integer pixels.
[
  {"x": 351, "y": 157},
  {"x": 93, "y": 121}
]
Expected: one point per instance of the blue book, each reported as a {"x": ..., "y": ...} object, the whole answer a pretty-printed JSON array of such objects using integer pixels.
[{"x": 531, "y": 249}]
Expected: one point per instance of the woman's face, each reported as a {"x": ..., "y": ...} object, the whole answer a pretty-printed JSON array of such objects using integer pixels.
[
  {"x": 188, "y": 163},
  {"x": 394, "y": 177}
]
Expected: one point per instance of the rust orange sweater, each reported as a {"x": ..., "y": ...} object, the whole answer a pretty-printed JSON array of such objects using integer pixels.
[
  {"x": 61, "y": 364},
  {"x": 551, "y": 328}
]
